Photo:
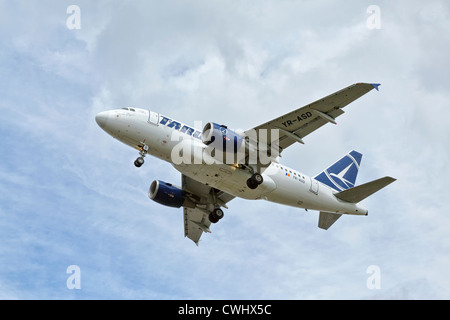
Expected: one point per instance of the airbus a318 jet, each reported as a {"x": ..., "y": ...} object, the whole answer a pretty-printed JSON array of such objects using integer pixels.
[{"x": 218, "y": 164}]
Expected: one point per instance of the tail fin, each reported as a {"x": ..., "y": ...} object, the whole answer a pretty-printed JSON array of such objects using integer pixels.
[
  {"x": 342, "y": 174},
  {"x": 359, "y": 193}
]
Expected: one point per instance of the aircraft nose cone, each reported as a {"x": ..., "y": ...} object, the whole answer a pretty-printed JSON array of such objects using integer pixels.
[{"x": 101, "y": 119}]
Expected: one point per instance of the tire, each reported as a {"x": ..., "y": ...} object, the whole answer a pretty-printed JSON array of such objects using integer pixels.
[
  {"x": 252, "y": 184},
  {"x": 213, "y": 218},
  {"x": 215, "y": 215},
  {"x": 254, "y": 181},
  {"x": 257, "y": 178},
  {"x": 139, "y": 162},
  {"x": 218, "y": 213}
]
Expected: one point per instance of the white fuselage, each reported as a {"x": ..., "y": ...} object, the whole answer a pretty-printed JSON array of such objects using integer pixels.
[{"x": 164, "y": 137}]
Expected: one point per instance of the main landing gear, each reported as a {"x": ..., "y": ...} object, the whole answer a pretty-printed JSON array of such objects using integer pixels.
[
  {"x": 140, "y": 160},
  {"x": 254, "y": 181},
  {"x": 215, "y": 215}
]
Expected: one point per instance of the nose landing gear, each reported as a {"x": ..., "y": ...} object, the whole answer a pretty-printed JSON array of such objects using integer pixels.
[
  {"x": 139, "y": 162},
  {"x": 142, "y": 152}
]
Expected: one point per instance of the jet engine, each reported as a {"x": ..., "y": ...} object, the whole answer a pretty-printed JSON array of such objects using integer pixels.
[
  {"x": 167, "y": 194},
  {"x": 221, "y": 138}
]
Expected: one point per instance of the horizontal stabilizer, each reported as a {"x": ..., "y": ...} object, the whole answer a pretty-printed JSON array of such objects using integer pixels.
[
  {"x": 359, "y": 193},
  {"x": 326, "y": 219}
]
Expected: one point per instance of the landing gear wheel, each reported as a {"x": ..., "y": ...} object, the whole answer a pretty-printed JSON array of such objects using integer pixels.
[
  {"x": 139, "y": 162},
  {"x": 218, "y": 213},
  {"x": 215, "y": 215},
  {"x": 258, "y": 178},
  {"x": 142, "y": 152},
  {"x": 251, "y": 184},
  {"x": 254, "y": 181}
]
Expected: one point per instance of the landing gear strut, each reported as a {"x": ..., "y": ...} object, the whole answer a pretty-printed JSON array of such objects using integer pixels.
[
  {"x": 254, "y": 181},
  {"x": 215, "y": 215},
  {"x": 140, "y": 160}
]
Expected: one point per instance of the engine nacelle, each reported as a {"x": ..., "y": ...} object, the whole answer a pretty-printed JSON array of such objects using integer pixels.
[
  {"x": 221, "y": 138},
  {"x": 166, "y": 194}
]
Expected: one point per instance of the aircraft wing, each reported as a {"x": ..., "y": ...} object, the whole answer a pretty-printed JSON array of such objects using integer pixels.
[
  {"x": 196, "y": 219},
  {"x": 296, "y": 125}
]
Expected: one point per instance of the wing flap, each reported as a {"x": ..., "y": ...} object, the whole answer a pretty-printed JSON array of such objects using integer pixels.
[
  {"x": 195, "y": 223},
  {"x": 196, "y": 220}
]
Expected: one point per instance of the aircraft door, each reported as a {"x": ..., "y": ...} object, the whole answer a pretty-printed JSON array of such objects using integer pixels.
[
  {"x": 153, "y": 117},
  {"x": 314, "y": 186}
]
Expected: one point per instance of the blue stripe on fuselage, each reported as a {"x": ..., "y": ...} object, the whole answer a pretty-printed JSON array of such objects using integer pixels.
[{"x": 180, "y": 127}]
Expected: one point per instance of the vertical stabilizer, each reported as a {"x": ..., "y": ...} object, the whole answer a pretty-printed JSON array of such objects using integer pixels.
[{"x": 342, "y": 174}]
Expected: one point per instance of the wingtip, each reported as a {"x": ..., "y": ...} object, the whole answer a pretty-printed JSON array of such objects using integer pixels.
[{"x": 376, "y": 85}]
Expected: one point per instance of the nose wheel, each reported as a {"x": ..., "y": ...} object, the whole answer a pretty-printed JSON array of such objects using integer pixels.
[
  {"x": 142, "y": 152},
  {"x": 139, "y": 162}
]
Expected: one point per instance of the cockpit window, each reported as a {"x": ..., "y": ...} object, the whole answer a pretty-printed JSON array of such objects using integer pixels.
[
  {"x": 131, "y": 109},
  {"x": 124, "y": 108}
]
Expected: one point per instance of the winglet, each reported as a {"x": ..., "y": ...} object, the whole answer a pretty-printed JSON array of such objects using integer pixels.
[{"x": 376, "y": 85}]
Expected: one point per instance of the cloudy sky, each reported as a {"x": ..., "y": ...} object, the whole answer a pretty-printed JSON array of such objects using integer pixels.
[{"x": 70, "y": 194}]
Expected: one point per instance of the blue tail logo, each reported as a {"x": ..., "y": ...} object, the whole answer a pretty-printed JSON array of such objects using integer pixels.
[{"x": 342, "y": 174}]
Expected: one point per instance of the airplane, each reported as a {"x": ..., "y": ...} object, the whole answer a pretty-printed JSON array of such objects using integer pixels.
[{"x": 218, "y": 164}]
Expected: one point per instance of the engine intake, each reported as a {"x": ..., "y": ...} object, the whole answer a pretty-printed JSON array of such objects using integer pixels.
[
  {"x": 221, "y": 138},
  {"x": 166, "y": 194}
]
